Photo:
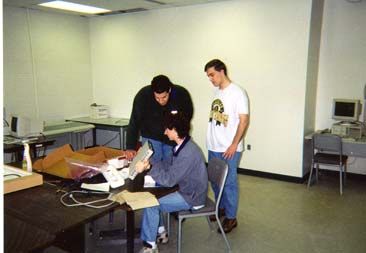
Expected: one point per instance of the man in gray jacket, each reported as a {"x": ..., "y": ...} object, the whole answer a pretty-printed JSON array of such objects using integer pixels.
[{"x": 185, "y": 168}]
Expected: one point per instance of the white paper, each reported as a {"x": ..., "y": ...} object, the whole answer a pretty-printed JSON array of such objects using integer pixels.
[{"x": 149, "y": 181}]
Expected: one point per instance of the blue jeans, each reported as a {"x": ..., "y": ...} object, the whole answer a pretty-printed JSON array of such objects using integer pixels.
[
  {"x": 151, "y": 217},
  {"x": 230, "y": 195},
  {"x": 161, "y": 150}
]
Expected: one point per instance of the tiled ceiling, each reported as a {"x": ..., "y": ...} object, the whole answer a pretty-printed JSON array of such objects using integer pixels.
[{"x": 116, "y": 6}]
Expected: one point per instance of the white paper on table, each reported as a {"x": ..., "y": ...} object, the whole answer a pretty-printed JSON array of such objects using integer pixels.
[{"x": 149, "y": 181}]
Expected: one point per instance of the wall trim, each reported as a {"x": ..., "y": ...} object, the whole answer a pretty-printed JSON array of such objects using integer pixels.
[
  {"x": 256, "y": 173},
  {"x": 297, "y": 180}
]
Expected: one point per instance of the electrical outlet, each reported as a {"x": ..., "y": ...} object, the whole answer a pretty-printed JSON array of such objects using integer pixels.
[{"x": 249, "y": 147}]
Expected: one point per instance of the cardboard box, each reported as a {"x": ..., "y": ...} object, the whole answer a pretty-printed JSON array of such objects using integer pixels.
[
  {"x": 16, "y": 179},
  {"x": 55, "y": 164}
]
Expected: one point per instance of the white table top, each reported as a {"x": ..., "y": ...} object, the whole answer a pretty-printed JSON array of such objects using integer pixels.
[
  {"x": 65, "y": 127},
  {"x": 121, "y": 122}
]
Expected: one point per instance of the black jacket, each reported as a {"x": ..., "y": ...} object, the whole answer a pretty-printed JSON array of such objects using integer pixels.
[{"x": 147, "y": 114}]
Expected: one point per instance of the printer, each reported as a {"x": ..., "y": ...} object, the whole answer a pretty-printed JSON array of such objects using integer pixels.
[{"x": 99, "y": 111}]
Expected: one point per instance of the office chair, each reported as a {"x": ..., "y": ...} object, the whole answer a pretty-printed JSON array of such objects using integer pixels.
[
  {"x": 217, "y": 172},
  {"x": 327, "y": 150}
]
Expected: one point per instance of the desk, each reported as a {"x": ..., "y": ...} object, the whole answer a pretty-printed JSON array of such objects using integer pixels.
[
  {"x": 35, "y": 219},
  {"x": 24, "y": 237},
  {"x": 351, "y": 147},
  {"x": 118, "y": 125},
  {"x": 355, "y": 148},
  {"x": 73, "y": 130},
  {"x": 60, "y": 133},
  {"x": 18, "y": 148}
]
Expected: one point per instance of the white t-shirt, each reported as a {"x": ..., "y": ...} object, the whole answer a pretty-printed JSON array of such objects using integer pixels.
[{"x": 226, "y": 106}]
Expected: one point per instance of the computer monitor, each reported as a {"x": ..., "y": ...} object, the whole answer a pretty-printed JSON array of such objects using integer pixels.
[
  {"x": 346, "y": 109},
  {"x": 21, "y": 126}
]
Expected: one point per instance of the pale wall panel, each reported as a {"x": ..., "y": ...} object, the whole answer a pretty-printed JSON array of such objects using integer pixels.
[
  {"x": 264, "y": 44},
  {"x": 18, "y": 85},
  {"x": 47, "y": 68},
  {"x": 342, "y": 67}
]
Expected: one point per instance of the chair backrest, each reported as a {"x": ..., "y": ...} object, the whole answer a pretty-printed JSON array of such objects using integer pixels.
[
  {"x": 327, "y": 143},
  {"x": 217, "y": 172}
]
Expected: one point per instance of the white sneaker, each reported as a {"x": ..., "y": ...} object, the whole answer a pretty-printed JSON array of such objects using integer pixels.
[
  {"x": 148, "y": 250},
  {"x": 162, "y": 238}
]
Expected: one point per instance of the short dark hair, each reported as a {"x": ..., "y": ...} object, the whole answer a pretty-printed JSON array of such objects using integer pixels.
[
  {"x": 178, "y": 121},
  {"x": 161, "y": 84},
  {"x": 217, "y": 64}
]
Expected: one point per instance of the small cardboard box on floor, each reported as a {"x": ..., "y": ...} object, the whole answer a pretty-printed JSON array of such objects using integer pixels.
[{"x": 55, "y": 164}]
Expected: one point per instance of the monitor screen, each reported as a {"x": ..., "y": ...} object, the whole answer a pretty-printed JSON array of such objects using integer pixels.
[
  {"x": 25, "y": 127},
  {"x": 14, "y": 124},
  {"x": 346, "y": 109}
]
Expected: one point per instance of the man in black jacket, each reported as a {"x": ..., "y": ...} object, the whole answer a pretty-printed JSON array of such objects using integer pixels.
[{"x": 150, "y": 105}]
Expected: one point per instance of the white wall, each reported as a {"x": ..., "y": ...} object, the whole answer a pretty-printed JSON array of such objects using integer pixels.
[
  {"x": 48, "y": 58},
  {"x": 47, "y": 68},
  {"x": 342, "y": 68},
  {"x": 313, "y": 65},
  {"x": 264, "y": 44}
]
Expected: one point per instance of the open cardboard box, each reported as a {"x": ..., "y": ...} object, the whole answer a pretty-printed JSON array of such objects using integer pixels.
[
  {"x": 54, "y": 163},
  {"x": 16, "y": 179}
]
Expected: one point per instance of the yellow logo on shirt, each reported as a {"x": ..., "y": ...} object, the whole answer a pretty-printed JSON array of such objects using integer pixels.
[{"x": 216, "y": 113}]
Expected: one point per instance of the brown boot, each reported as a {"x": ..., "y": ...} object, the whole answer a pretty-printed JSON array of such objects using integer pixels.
[
  {"x": 221, "y": 214},
  {"x": 228, "y": 225}
]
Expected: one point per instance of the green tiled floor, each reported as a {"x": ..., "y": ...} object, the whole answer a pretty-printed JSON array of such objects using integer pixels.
[{"x": 276, "y": 216}]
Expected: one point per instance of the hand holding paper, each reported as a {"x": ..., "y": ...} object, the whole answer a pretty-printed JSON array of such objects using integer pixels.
[{"x": 141, "y": 166}]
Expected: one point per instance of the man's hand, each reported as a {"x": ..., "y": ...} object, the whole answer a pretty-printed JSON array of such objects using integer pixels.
[
  {"x": 141, "y": 166},
  {"x": 130, "y": 154},
  {"x": 240, "y": 132},
  {"x": 230, "y": 152}
]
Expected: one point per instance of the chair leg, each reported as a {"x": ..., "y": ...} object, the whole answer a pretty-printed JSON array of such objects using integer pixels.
[
  {"x": 179, "y": 235},
  {"x": 223, "y": 234},
  {"x": 345, "y": 174},
  {"x": 209, "y": 223},
  {"x": 317, "y": 172},
  {"x": 168, "y": 223},
  {"x": 311, "y": 173},
  {"x": 92, "y": 228},
  {"x": 340, "y": 180}
]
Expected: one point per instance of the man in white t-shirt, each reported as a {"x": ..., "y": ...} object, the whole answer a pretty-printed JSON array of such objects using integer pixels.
[{"x": 228, "y": 122}]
